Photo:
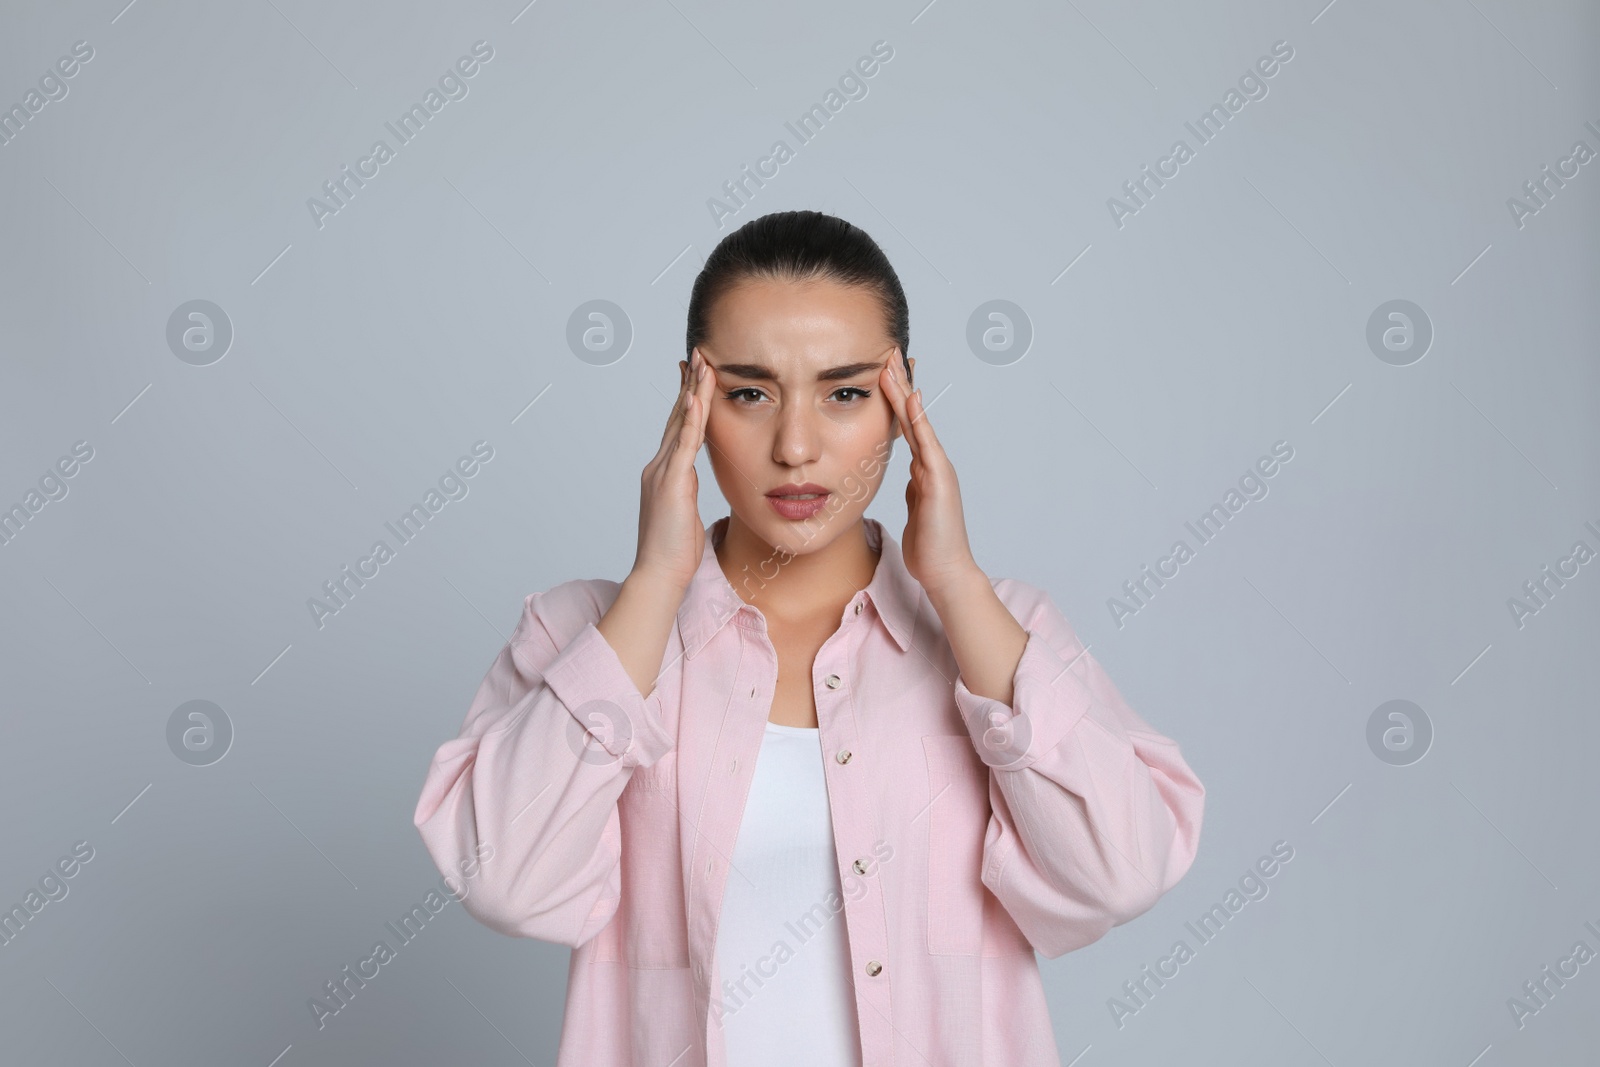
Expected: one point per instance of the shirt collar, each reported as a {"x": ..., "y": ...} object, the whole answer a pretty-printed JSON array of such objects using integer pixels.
[{"x": 711, "y": 600}]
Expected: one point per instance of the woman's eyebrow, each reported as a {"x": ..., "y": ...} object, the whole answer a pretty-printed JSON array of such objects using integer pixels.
[{"x": 757, "y": 372}]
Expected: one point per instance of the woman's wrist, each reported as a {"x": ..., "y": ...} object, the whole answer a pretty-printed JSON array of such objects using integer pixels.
[{"x": 649, "y": 586}]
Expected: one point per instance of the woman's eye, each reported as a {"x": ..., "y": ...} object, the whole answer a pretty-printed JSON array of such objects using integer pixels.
[{"x": 749, "y": 395}]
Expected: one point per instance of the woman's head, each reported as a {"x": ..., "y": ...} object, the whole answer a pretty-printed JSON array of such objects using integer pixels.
[{"x": 797, "y": 312}]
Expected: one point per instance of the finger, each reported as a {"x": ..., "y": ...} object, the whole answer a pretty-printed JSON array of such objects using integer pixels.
[
  {"x": 921, "y": 432},
  {"x": 687, "y": 444},
  {"x": 927, "y": 440},
  {"x": 705, "y": 391},
  {"x": 896, "y": 391},
  {"x": 697, "y": 408},
  {"x": 705, "y": 384},
  {"x": 675, "y": 419}
]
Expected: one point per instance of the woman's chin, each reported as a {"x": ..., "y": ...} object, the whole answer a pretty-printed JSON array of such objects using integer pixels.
[{"x": 799, "y": 537}]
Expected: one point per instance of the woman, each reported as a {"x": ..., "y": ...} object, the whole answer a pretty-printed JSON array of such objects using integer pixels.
[{"x": 797, "y": 792}]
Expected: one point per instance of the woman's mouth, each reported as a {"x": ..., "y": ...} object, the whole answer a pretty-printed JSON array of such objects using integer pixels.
[{"x": 796, "y": 503}]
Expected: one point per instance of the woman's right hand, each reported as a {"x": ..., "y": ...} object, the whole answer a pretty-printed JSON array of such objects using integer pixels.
[{"x": 671, "y": 536}]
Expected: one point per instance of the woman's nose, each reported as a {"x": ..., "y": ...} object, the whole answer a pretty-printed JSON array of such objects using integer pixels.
[{"x": 797, "y": 437}]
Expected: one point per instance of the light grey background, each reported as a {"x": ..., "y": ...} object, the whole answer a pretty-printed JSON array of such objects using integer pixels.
[{"x": 369, "y": 354}]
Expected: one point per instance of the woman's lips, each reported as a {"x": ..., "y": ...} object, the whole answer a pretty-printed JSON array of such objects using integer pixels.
[{"x": 796, "y": 508}]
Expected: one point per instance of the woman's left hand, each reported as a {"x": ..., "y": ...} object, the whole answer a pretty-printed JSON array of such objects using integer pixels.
[{"x": 934, "y": 545}]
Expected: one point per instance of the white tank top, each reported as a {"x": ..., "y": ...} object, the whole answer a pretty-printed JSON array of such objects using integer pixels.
[{"x": 782, "y": 951}]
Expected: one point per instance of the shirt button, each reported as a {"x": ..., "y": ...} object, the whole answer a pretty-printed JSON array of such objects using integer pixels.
[
  {"x": 873, "y": 967},
  {"x": 831, "y": 681},
  {"x": 860, "y": 867},
  {"x": 735, "y": 768},
  {"x": 708, "y": 866},
  {"x": 858, "y": 607},
  {"x": 843, "y": 756}
]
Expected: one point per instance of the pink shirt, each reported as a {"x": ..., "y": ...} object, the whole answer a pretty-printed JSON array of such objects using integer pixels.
[{"x": 970, "y": 834}]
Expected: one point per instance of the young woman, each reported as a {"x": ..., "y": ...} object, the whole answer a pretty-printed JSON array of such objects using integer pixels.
[{"x": 797, "y": 792}]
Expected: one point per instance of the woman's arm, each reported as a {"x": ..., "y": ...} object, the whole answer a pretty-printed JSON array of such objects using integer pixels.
[
  {"x": 559, "y": 723},
  {"x": 986, "y": 638},
  {"x": 549, "y": 743},
  {"x": 1094, "y": 814}
]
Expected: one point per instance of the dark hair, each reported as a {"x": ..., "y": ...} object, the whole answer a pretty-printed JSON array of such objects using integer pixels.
[{"x": 799, "y": 246}]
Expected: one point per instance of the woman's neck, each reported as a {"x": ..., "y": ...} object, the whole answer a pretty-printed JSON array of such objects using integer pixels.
[{"x": 785, "y": 587}]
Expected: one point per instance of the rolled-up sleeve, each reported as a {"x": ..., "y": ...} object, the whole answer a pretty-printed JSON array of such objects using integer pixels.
[
  {"x": 1094, "y": 815},
  {"x": 532, "y": 781}
]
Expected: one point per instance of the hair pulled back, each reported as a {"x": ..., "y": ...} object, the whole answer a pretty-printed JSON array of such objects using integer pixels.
[{"x": 799, "y": 246}]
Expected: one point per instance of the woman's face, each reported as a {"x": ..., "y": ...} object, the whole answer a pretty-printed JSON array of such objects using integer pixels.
[{"x": 797, "y": 402}]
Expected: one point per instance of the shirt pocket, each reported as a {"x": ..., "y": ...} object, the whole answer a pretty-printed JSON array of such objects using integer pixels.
[
  {"x": 652, "y": 921},
  {"x": 964, "y": 918}
]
